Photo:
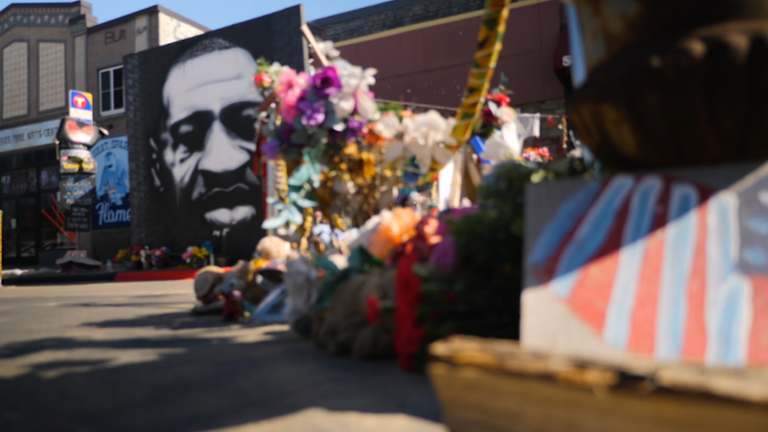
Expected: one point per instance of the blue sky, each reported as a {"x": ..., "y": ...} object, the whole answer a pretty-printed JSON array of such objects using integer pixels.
[{"x": 216, "y": 14}]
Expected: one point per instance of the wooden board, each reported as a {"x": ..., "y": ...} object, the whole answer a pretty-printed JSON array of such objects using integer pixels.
[{"x": 490, "y": 385}]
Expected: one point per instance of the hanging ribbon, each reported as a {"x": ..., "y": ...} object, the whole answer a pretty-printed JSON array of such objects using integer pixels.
[{"x": 489, "y": 44}]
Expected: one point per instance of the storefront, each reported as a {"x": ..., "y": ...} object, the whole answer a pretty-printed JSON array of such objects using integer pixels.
[{"x": 29, "y": 184}]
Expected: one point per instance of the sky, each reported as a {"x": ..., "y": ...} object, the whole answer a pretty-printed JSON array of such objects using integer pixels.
[{"x": 216, "y": 14}]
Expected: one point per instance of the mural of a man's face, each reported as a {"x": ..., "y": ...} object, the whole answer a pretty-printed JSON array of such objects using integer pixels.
[{"x": 211, "y": 104}]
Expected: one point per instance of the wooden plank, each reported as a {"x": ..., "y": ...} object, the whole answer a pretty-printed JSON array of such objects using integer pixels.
[{"x": 495, "y": 385}]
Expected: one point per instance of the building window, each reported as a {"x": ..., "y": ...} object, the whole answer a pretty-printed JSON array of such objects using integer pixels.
[
  {"x": 52, "y": 75},
  {"x": 112, "y": 91},
  {"x": 15, "y": 79}
]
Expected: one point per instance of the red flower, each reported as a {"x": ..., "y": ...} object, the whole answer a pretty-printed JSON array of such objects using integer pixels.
[
  {"x": 499, "y": 99},
  {"x": 263, "y": 79},
  {"x": 550, "y": 122},
  {"x": 373, "y": 309},
  {"x": 488, "y": 117}
]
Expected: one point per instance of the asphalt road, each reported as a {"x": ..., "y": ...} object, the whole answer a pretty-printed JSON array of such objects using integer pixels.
[{"x": 130, "y": 357}]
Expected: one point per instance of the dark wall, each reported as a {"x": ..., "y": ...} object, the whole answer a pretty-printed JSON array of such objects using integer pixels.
[
  {"x": 164, "y": 213},
  {"x": 430, "y": 64},
  {"x": 390, "y": 15}
]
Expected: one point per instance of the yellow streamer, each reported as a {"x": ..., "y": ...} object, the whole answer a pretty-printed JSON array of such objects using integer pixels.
[{"x": 487, "y": 55}]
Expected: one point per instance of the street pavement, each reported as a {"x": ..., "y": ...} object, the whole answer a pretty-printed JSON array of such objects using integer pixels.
[{"x": 130, "y": 357}]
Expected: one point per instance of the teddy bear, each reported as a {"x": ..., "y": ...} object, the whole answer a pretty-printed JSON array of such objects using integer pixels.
[
  {"x": 241, "y": 291},
  {"x": 208, "y": 283},
  {"x": 273, "y": 248}
]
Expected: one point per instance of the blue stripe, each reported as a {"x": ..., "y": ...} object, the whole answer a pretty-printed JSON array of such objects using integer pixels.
[
  {"x": 590, "y": 235},
  {"x": 679, "y": 250},
  {"x": 642, "y": 210},
  {"x": 566, "y": 218},
  {"x": 733, "y": 323},
  {"x": 721, "y": 235}
]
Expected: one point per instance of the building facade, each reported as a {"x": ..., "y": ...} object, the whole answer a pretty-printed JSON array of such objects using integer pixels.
[
  {"x": 48, "y": 49},
  {"x": 423, "y": 49}
]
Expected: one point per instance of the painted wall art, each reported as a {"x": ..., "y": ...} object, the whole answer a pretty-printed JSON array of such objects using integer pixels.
[
  {"x": 191, "y": 108},
  {"x": 663, "y": 267},
  {"x": 112, "y": 208}
]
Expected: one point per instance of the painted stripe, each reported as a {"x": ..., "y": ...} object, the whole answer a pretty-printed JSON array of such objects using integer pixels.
[
  {"x": 642, "y": 339},
  {"x": 642, "y": 210},
  {"x": 590, "y": 235},
  {"x": 758, "y": 338},
  {"x": 734, "y": 321},
  {"x": 695, "y": 344},
  {"x": 679, "y": 247},
  {"x": 589, "y": 297},
  {"x": 570, "y": 212},
  {"x": 722, "y": 247}
]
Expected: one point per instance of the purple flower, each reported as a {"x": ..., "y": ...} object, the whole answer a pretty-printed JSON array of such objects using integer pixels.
[
  {"x": 271, "y": 149},
  {"x": 356, "y": 124},
  {"x": 286, "y": 132},
  {"x": 314, "y": 112},
  {"x": 444, "y": 254},
  {"x": 326, "y": 83}
]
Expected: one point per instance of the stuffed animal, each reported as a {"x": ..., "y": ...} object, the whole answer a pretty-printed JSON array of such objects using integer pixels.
[
  {"x": 300, "y": 284},
  {"x": 273, "y": 248},
  {"x": 208, "y": 284}
]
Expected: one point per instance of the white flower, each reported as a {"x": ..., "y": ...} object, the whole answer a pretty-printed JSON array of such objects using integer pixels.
[
  {"x": 355, "y": 91},
  {"x": 503, "y": 145},
  {"x": 506, "y": 114},
  {"x": 328, "y": 50},
  {"x": 388, "y": 126}
]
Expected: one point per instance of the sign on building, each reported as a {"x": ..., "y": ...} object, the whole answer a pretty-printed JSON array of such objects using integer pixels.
[
  {"x": 24, "y": 137},
  {"x": 112, "y": 208},
  {"x": 81, "y": 106}
]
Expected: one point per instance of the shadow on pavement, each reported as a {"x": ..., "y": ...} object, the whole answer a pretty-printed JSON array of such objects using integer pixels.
[{"x": 176, "y": 372}]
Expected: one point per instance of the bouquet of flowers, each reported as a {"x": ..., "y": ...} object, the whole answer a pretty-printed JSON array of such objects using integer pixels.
[
  {"x": 160, "y": 257},
  {"x": 197, "y": 256},
  {"x": 123, "y": 255},
  {"x": 336, "y": 150}
]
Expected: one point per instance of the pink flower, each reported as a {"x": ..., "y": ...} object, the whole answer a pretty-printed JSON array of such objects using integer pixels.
[{"x": 289, "y": 90}]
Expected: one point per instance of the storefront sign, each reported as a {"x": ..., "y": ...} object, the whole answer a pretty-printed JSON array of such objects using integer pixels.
[
  {"x": 78, "y": 218},
  {"x": 23, "y": 137},
  {"x": 77, "y": 161},
  {"x": 112, "y": 208},
  {"x": 77, "y": 189}
]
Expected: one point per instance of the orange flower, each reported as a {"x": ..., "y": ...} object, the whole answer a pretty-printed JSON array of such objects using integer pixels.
[{"x": 395, "y": 229}]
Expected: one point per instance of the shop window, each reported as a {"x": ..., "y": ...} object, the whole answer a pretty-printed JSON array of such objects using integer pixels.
[
  {"x": 111, "y": 91},
  {"x": 19, "y": 182},
  {"x": 49, "y": 178}
]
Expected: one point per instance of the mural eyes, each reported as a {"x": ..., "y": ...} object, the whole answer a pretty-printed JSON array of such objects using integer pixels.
[
  {"x": 240, "y": 119},
  {"x": 192, "y": 130}
]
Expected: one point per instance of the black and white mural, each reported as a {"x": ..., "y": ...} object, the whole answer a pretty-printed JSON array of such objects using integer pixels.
[{"x": 191, "y": 108}]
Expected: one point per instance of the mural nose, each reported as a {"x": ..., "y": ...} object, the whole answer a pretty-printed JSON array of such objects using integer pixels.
[{"x": 223, "y": 151}]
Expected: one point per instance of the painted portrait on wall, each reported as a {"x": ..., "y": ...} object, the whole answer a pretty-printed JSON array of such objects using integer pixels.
[{"x": 191, "y": 115}]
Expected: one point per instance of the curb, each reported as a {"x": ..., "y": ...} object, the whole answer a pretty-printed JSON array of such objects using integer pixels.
[{"x": 132, "y": 276}]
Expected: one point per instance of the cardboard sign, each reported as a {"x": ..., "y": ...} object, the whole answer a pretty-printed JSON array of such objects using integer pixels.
[
  {"x": 78, "y": 218},
  {"x": 76, "y": 190},
  {"x": 81, "y": 106}
]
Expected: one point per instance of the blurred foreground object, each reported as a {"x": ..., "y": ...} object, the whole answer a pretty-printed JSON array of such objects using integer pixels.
[
  {"x": 671, "y": 82},
  {"x": 494, "y": 385}
]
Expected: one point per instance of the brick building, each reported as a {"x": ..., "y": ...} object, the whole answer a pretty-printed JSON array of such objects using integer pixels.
[
  {"x": 423, "y": 49},
  {"x": 48, "y": 49}
]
